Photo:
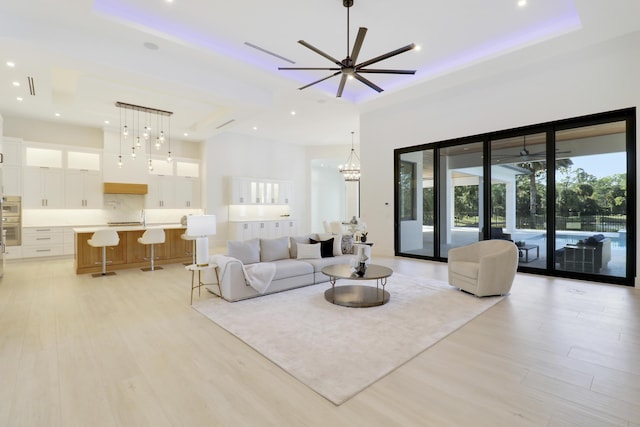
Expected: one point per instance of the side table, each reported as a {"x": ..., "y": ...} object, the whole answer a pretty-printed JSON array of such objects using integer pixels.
[{"x": 195, "y": 267}]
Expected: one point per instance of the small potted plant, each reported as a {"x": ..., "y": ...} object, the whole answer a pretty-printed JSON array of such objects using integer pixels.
[{"x": 363, "y": 236}]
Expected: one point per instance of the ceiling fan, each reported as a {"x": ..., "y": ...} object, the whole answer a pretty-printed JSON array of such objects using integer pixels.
[
  {"x": 349, "y": 67},
  {"x": 525, "y": 155}
]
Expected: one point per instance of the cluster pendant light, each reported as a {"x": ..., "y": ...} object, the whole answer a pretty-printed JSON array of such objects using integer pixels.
[
  {"x": 351, "y": 169},
  {"x": 140, "y": 130}
]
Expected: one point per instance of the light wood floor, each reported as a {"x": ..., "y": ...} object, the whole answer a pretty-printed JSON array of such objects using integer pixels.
[{"x": 128, "y": 350}]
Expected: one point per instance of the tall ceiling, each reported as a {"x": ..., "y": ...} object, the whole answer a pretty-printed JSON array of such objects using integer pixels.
[{"x": 215, "y": 64}]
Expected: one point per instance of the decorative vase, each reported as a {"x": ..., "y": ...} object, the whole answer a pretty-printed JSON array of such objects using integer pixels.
[
  {"x": 363, "y": 239},
  {"x": 362, "y": 269}
]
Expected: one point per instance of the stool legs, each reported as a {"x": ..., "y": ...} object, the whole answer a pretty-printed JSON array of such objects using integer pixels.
[
  {"x": 153, "y": 259},
  {"x": 104, "y": 265}
]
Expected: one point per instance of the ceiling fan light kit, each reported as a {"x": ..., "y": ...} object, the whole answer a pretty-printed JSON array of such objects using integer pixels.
[{"x": 349, "y": 67}]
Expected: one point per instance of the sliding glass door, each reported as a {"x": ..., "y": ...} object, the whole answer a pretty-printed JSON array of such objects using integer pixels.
[
  {"x": 591, "y": 200},
  {"x": 563, "y": 192}
]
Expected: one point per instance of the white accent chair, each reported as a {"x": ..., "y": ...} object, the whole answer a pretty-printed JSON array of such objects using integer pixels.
[
  {"x": 484, "y": 268},
  {"x": 102, "y": 239},
  {"x": 152, "y": 237},
  {"x": 336, "y": 227}
]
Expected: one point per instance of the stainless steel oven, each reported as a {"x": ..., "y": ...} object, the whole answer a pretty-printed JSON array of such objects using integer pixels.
[
  {"x": 12, "y": 220},
  {"x": 12, "y": 231}
]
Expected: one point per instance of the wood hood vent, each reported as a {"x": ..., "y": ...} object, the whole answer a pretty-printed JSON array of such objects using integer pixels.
[{"x": 124, "y": 188}]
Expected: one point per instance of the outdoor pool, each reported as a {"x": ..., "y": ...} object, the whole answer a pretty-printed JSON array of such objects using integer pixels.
[{"x": 617, "y": 242}]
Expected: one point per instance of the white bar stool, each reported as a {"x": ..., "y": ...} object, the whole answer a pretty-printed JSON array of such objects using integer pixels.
[
  {"x": 102, "y": 239},
  {"x": 152, "y": 236},
  {"x": 185, "y": 236}
]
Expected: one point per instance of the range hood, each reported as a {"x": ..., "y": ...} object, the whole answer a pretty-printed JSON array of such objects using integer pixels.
[{"x": 124, "y": 188}]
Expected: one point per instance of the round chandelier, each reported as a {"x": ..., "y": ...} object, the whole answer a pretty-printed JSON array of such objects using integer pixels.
[{"x": 351, "y": 169}]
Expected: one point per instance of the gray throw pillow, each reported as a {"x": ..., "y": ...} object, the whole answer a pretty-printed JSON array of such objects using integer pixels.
[
  {"x": 274, "y": 249},
  {"x": 248, "y": 251}
]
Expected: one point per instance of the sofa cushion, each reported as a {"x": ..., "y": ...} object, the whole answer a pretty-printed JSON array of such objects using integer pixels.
[
  {"x": 326, "y": 247},
  {"x": 274, "y": 249},
  {"x": 308, "y": 251},
  {"x": 294, "y": 240},
  {"x": 319, "y": 264},
  {"x": 337, "y": 241},
  {"x": 247, "y": 251},
  {"x": 286, "y": 268}
]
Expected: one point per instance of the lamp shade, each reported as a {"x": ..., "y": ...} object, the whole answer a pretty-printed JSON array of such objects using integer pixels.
[{"x": 201, "y": 225}]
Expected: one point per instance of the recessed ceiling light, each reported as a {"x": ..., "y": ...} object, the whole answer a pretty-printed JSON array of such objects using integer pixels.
[
  {"x": 19, "y": 98},
  {"x": 11, "y": 64},
  {"x": 255, "y": 128},
  {"x": 57, "y": 114},
  {"x": 106, "y": 122},
  {"x": 293, "y": 113},
  {"x": 418, "y": 47},
  {"x": 16, "y": 84},
  {"x": 186, "y": 134},
  {"x": 151, "y": 46},
  {"x": 522, "y": 3}
]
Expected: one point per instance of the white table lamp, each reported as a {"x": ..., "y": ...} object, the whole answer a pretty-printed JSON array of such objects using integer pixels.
[{"x": 200, "y": 227}]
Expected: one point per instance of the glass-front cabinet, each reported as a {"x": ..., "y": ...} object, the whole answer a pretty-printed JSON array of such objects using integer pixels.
[{"x": 562, "y": 192}]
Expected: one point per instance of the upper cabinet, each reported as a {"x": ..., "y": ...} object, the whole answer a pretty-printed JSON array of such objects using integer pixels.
[
  {"x": 43, "y": 188},
  {"x": 250, "y": 191},
  {"x": 83, "y": 180},
  {"x": 12, "y": 167},
  {"x": 43, "y": 179}
]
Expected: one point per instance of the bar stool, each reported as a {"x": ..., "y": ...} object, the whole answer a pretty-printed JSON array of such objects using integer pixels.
[
  {"x": 152, "y": 236},
  {"x": 102, "y": 239},
  {"x": 185, "y": 236}
]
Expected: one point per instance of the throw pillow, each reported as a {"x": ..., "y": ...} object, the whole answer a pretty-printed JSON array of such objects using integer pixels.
[
  {"x": 293, "y": 247},
  {"x": 337, "y": 242},
  {"x": 248, "y": 251},
  {"x": 274, "y": 249},
  {"x": 308, "y": 251},
  {"x": 326, "y": 247},
  {"x": 347, "y": 244}
]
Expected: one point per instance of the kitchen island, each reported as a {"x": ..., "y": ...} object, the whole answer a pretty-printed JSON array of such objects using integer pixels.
[{"x": 129, "y": 253}]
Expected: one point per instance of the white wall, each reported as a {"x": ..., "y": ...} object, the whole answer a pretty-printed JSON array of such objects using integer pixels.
[
  {"x": 231, "y": 154},
  {"x": 591, "y": 80}
]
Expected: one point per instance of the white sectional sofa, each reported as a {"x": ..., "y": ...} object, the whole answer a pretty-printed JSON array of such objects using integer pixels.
[{"x": 297, "y": 262}]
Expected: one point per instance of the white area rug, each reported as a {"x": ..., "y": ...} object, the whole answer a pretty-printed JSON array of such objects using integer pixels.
[{"x": 339, "y": 351}]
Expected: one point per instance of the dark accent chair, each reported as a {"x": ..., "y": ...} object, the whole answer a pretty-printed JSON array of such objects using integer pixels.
[
  {"x": 498, "y": 234},
  {"x": 573, "y": 258}
]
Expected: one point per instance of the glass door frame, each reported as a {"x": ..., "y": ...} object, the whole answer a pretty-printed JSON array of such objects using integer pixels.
[{"x": 627, "y": 115}]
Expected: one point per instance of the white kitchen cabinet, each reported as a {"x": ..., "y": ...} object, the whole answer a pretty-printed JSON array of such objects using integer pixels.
[
  {"x": 285, "y": 192},
  {"x": 42, "y": 241},
  {"x": 83, "y": 189},
  {"x": 240, "y": 191},
  {"x": 11, "y": 180},
  {"x": 259, "y": 191},
  {"x": 43, "y": 188},
  {"x": 187, "y": 192},
  {"x": 262, "y": 229},
  {"x": 161, "y": 192},
  {"x": 11, "y": 167}
]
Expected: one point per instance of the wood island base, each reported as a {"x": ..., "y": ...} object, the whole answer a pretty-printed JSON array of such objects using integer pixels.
[{"x": 129, "y": 253}]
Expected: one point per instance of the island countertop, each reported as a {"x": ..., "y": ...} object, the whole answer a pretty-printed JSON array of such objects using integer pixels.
[{"x": 94, "y": 228}]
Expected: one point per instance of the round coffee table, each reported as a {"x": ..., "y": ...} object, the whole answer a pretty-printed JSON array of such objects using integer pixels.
[{"x": 357, "y": 295}]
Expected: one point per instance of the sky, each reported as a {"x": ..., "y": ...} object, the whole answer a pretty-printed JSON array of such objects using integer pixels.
[{"x": 601, "y": 165}]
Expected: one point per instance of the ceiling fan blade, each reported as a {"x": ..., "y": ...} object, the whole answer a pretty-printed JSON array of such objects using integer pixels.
[
  {"x": 321, "y": 80},
  {"x": 382, "y": 71},
  {"x": 358, "y": 44},
  {"x": 367, "y": 82},
  {"x": 343, "y": 80},
  {"x": 319, "y": 52},
  {"x": 308, "y": 68},
  {"x": 386, "y": 55}
]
